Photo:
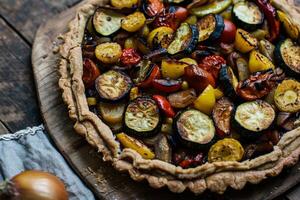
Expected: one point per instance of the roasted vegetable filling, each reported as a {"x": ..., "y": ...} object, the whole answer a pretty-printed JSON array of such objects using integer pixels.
[{"x": 193, "y": 82}]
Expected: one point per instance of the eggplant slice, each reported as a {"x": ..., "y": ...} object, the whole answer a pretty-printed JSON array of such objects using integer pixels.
[
  {"x": 247, "y": 15},
  {"x": 287, "y": 56},
  {"x": 228, "y": 81},
  {"x": 252, "y": 117},
  {"x": 142, "y": 118},
  {"x": 185, "y": 41},
  {"x": 106, "y": 22},
  {"x": 210, "y": 27},
  {"x": 113, "y": 85},
  {"x": 194, "y": 129}
]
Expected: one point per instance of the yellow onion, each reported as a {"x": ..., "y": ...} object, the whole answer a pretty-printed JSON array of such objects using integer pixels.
[{"x": 33, "y": 185}]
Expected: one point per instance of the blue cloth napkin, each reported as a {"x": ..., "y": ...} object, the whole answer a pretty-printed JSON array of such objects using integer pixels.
[{"x": 30, "y": 149}]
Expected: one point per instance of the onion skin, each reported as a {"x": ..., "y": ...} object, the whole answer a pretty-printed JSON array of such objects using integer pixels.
[{"x": 35, "y": 185}]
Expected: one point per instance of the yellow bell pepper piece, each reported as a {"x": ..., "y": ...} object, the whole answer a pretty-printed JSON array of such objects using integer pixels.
[
  {"x": 206, "y": 100},
  {"x": 172, "y": 69},
  {"x": 189, "y": 61},
  {"x": 259, "y": 62},
  {"x": 290, "y": 28},
  {"x": 244, "y": 41},
  {"x": 138, "y": 146},
  {"x": 218, "y": 93}
]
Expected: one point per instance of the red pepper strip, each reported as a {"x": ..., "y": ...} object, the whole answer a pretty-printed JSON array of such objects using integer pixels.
[
  {"x": 155, "y": 74},
  {"x": 186, "y": 163},
  {"x": 167, "y": 85},
  {"x": 164, "y": 105},
  {"x": 90, "y": 72},
  {"x": 270, "y": 13}
]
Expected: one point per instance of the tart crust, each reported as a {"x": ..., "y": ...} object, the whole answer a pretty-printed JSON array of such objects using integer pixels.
[{"x": 215, "y": 176}]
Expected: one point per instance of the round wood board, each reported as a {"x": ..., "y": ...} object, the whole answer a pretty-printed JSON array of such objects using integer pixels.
[{"x": 101, "y": 178}]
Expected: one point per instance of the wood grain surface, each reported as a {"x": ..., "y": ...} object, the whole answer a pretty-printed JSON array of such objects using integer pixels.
[{"x": 106, "y": 182}]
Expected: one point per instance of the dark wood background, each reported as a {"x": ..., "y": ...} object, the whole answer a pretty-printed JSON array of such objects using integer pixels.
[{"x": 19, "y": 20}]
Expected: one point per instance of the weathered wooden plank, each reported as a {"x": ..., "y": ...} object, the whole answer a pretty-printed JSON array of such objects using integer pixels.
[
  {"x": 294, "y": 194},
  {"x": 26, "y": 15},
  {"x": 106, "y": 182},
  {"x": 19, "y": 107}
]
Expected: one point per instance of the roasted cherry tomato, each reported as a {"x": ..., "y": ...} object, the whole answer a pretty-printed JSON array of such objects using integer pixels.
[
  {"x": 187, "y": 159},
  {"x": 155, "y": 74},
  {"x": 198, "y": 78},
  {"x": 130, "y": 57},
  {"x": 212, "y": 64},
  {"x": 165, "y": 85},
  {"x": 152, "y": 7},
  {"x": 171, "y": 17},
  {"x": 259, "y": 84},
  {"x": 164, "y": 105},
  {"x": 228, "y": 34},
  {"x": 90, "y": 72}
]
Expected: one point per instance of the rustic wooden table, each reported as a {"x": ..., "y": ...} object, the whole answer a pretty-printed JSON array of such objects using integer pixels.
[{"x": 19, "y": 108}]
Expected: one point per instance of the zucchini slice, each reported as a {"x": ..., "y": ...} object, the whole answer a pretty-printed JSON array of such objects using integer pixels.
[
  {"x": 186, "y": 38},
  {"x": 287, "y": 56},
  {"x": 227, "y": 149},
  {"x": 112, "y": 113},
  {"x": 194, "y": 129},
  {"x": 142, "y": 117},
  {"x": 142, "y": 71},
  {"x": 113, "y": 85},
  {"x": 252, "y": 117},
  {"x": 106, "y": 22},
  {"x": 210, "y": 27},
  {"x": 247, "y": 15},
  {"x": 228, "y": 81},
  {"x": 287, "y": 96}
]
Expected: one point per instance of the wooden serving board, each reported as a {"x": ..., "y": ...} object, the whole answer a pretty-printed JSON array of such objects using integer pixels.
[{"x": 101, "y": 178}]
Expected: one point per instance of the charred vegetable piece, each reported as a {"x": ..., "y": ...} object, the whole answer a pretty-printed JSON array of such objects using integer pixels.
[
  {"x": 142, "y": 117},
  {"x": 162, "y": 149},
  {"x": 287, "y": 96},
  {"x": 194, "y": 129},
  {"x": 218, "y": 93},
  {"x": 182, "y": 99},
  {"x": 113, "y": 85},
  {"x": 206, "y": 100},
  {"x": 267, "y": 49},
  {"x": 172, "y": 69},
  {"x": 259, "y": 84},
  {"x": 189, "y": 61},
  {"x": 214, "y": 7},
  {"x": 109, "y": 52},
  {"x": 210, "y": 27},
  {"x": 227, "y": 149},
  {"x": 192, "y": 19},
  {"x": 134, "y": 93},
  {"x": 270, "y": 15},
  {"x": 133, "y": 22},
  {"x": 259, "y": 34},
  {"x": 167, "y": 86},
  {"x": 247, "y": 15},
  {"x": 155, "y": 74},
  {"x": 164, "y": 105},
  {"x": 130, "y": 57},
  {"x": 160, "y": 37},
  {"x": 106, "y": 22},
  {"x": 228, "y": 81},
  {"x": 287, "y": 56},
  {"x": 142, "y": 71},
  {"x": 290, "y": 28},
  {"x": 222, "y": 113},
  {"x": 198, "y": 78},
  {"x": 141, "y": 44},
  {"x": 124, "y": 3},
  {"x": 111, "y": 113},
  {"x": 252, "y": 117},
  {"x": 171, "y": 17},
  {"x": 152, "y": 7},
  {"x": 244, "y": 41},
  {"x": 137, "y": 145},
  {"x": 242, "y": 68},
  {"x": 212, "y": 64},
  {"x": 185, "y": 40},
  {"x": 258, "y": 62},
  {"x": 90, "y": 73}
]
